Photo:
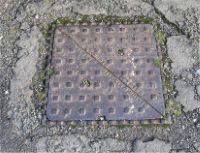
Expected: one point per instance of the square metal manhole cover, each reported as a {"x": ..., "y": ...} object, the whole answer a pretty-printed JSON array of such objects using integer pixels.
[{"x": 104, "y": 71}]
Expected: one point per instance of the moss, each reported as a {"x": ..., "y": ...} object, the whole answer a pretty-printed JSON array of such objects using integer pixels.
[
  {"x": 100, "y": 117},
  {"x": 107, "y": 19},
  {"x": 44, "y": 28},
  {"x": 167, "y": 81},
  {"x": 42, "y": 50},
  {"x": 157, "y": 62},
  {"x": 168, "y": 84},
  {"x": 102, "y": 19},
  {"x": 64, "y": 21},
  {"x": 41, "y": 75},
  {"x": 50, "y": 71},
  {"x": 117, "y": 19},
  {"x": 61, "y": 21},
  {"x": 13, "y": 30},
  {"x": 174, "y": 107},
  {"x": 84, "y": 19},
  {"x": 146, "y": 20},
  {"x": 86, "y": 82},
  {"x": 73, "y": 126},
  {"x": 40, "y": 109},
  {"x": 40, "y": 95},
  {"x": 122, "y": 126},
  {"x": 46, "y": 1},
  {"x": 97, "y": 18},
  {"x": 155, "y": 125},
  {"x": 160, "y": 37},
  {"x": 120, "y": 51}
]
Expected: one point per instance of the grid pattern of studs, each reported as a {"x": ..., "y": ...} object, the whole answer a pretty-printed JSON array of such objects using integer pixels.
[{"x": 128, "y": 51}]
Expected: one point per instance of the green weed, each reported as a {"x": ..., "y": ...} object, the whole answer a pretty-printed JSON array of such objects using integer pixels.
[
  {"x": 157, "y": 62},
  {"x": 160, "y": 37},
  {"x": 146, "y": 20},
  {"x": 174, "y": 107}
]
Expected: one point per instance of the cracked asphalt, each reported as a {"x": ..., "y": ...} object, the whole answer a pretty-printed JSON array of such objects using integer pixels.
[{"x": 23, "y": 127}]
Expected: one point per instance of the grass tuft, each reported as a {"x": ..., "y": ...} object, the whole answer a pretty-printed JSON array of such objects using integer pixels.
[
  {"x": 45, "y": 30},
  {"x": 155, "y": 125},
  {"x": 122, "y": 126},
  {"x": 174, "y": 107},
  {"x": 146, "y": 20},
  {"x": 50, "y": 71},
  {"x": 157, "y": 62},
  {"x": 160, "y": 37},
  {"x": 40, "y": 95},
  {"x": 120, "y": 51}
]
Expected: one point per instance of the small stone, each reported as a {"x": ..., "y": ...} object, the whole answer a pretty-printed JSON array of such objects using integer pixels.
[
  {"x": 6, "y": 92},
  {"x": 117, "y": 135},
  {"x": 37, "y": 16},
  {"x": 198, "y": 72},
  {"x": 10, "y": 113},
  {"x": 25, "y": 26},
  {"x": 39, "y": 116},
  {"x": 194, "y": 120}
]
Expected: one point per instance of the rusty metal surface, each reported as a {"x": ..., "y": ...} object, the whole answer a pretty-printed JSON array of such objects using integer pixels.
[{"x": 117, "y": 64}]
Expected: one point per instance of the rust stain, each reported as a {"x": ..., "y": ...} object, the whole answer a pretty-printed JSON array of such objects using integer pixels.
[{"x": 84, "y": 87}]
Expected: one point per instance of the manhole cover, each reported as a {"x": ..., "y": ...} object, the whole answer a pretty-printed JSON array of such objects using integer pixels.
[{"x": 104, "y": 71}]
